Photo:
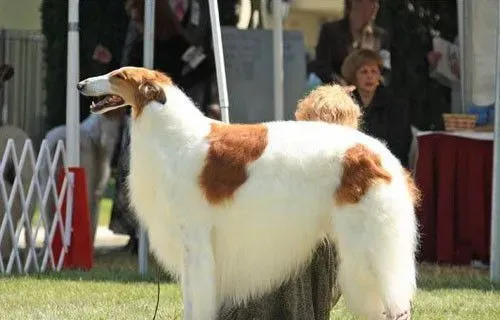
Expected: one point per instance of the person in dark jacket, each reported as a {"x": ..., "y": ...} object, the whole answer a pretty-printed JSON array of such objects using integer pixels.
[
  {"x": 384, "y": 116},
  {"x": 356, "y": 30},
  {"x": 173, "y": 39}
]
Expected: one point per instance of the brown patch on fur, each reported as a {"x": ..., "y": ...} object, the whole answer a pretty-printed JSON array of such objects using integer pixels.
[
  {"x": 329, "y": 103},
  {"x": 362, "y": 169},
  {"x": 414, "y": 191},
  {"x": 139, "y": 86},
  {"x": 232, "y": 148}
]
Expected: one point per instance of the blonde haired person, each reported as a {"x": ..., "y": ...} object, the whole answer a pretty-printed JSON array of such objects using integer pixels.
[
  {"x": 329, "y": 103},
  {"x": 383, "y": 115}
]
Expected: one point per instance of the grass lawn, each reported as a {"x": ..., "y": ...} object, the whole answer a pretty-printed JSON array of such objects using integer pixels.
[
  {"x": 114, "y": 290},
  {"x": 105, "y": 212}
]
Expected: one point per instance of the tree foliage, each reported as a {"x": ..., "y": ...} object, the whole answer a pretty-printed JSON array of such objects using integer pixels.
[{"x": 103, "y": 22}]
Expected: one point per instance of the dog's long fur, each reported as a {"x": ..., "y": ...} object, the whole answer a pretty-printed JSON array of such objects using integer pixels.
[
  {"x": 99, "y": 135},
  {"x": 235, "y": 210}
]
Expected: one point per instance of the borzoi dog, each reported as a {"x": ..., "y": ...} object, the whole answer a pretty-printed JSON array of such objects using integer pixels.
[
  {"x": 236, "y": 209},
  {"x": 99, "y": 136}
]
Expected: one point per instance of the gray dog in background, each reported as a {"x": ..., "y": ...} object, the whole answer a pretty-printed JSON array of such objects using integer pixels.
[{"x": 99, "y": 137}]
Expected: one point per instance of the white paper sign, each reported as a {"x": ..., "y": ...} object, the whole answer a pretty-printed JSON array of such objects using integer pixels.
[{"x": 449, "y": 55}]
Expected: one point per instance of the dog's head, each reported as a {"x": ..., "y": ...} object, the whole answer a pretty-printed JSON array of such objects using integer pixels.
[{"x": 132, "y": 86}]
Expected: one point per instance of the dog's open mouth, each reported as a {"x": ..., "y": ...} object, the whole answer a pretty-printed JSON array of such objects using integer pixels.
[{"x": 108, "y": 101}]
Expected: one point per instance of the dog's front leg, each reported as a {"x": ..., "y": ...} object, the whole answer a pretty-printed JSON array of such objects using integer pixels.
[{"x": 198, "y": 276}]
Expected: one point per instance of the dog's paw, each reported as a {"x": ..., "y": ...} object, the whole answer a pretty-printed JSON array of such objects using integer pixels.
[{"x": 401, "y": 316}]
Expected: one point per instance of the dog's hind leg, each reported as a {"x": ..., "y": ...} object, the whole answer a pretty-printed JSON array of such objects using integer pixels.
[
  {"x": 198, "y": 276},
  {"x": 375, "y": 229}
]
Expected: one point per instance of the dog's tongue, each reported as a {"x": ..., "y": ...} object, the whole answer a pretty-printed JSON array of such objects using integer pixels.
[
  {"x": 107, "y": 100},
  {"x": 112, "y": 99}
]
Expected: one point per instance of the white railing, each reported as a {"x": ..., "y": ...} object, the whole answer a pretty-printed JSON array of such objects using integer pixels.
[{"x": 31, "y": 204}]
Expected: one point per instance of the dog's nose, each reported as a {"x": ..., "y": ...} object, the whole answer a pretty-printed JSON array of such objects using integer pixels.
[{"x": 80, "y": 85}]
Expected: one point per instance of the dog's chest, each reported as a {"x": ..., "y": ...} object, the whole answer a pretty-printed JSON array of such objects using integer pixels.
[{"x": 149, "y": 189}]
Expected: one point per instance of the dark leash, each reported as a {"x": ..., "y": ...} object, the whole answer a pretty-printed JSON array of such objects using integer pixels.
[
  {"x": 158, "y": 291},
  {"x": 6, "y": 72}
]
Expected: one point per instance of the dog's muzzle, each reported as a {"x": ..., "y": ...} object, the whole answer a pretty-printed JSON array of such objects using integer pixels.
[{"x": 81, "y": 85}]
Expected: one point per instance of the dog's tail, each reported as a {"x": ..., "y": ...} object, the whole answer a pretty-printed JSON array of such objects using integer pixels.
[{"x": 376, "y": 232}]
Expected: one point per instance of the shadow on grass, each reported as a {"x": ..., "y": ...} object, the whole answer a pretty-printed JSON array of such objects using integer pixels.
[
  {"x": 122, "y": 266},
  {"x": 109, "y": 266}
]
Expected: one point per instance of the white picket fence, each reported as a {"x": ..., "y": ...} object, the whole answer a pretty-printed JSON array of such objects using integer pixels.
[{"x": 30, "y": 207}]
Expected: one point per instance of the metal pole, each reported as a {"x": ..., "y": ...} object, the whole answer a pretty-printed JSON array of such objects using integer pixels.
[
  {"x": 278, "y": 60},
  {"x": 219, "y": 60},
  {"x": 461, "y": 37},
  {"x": 495, "y": 207},
  {"x": 72, "y": 95},
  {"x": 148, "y": 62}
]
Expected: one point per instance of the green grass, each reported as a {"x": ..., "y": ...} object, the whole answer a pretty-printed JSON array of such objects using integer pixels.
[
  {"x": 449, "y": 293},
  {"x": 114, "y": 290},
  {"x": 111, "y": 290},
  {"x": 105, "y": 212}
]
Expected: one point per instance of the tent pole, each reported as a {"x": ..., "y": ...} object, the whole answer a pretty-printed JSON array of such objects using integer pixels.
[
  {"x": 278, "y": 60},
  {"x": 495, "y": 207},
  {"x": 219, "y": 60},
  {"x": 72, "y": 95},
  {"x": 148, "y": 62}
]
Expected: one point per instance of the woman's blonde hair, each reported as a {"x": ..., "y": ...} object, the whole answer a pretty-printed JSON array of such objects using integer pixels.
[
  {"x": 357, "y": 59},
  {"x": 329, "y": 103}
]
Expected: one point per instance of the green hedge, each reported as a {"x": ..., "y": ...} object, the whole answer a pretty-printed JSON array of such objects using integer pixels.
[
  {"x": 101, "y": 21},
  {"x": 54, "y": 29}
]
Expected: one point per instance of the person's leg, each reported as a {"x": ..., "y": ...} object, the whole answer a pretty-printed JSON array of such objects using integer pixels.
[
  {"x": 309, "y": 296},
  {"x": 122, "y": 215}
]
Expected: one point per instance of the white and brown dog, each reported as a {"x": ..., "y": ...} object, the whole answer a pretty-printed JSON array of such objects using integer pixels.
[{"x": 236, "y": 209}]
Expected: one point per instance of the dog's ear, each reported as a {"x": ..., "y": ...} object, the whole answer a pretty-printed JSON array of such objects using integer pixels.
[{"x": 153, "y": 92}]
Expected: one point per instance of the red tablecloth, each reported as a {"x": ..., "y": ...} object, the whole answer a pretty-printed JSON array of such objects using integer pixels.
[{"x": 455, "y": 176}]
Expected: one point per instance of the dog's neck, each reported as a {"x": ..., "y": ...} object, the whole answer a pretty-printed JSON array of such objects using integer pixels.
[{"x": 177, "y": 120}]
